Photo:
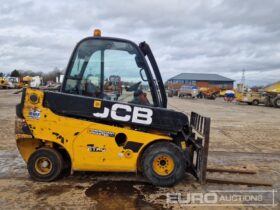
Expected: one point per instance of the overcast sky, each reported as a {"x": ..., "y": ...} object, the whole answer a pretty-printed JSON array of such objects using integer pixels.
[{"x": 216, "y": 36}]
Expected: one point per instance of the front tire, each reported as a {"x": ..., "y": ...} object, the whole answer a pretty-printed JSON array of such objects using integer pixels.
[
  {"x": 45, "y": 165},
  {"x": 163, "y": 164}
]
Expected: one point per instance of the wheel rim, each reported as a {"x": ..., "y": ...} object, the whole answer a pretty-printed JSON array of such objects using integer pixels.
[
  {"x": 278, "y": 102},
  {"x": 163, "y": 165},
  {"x": 43, "y": 165}
]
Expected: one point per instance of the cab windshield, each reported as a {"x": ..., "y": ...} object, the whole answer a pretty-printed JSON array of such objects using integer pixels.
[{"x": 109, "y": 70}]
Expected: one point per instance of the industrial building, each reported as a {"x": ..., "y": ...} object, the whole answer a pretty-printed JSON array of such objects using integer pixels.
[{"x": 200, "y": 80}]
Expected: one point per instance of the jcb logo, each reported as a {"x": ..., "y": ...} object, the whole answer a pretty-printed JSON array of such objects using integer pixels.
[{"x": 137, "y": 115}]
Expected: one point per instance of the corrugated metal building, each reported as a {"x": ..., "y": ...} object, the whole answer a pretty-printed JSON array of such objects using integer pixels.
[{"x": 200, "y": 80}]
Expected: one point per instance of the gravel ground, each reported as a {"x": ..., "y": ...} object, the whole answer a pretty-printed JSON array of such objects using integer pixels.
[{"x": 242, "y": 137}]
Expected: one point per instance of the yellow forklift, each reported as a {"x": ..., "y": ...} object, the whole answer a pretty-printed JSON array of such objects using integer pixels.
[{"x": 81, "y": 128}]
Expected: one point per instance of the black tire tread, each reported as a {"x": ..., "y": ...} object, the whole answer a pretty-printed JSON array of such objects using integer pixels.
[
  {"x": 172, "y": 179},
  {"x": 255, "y": 102},
  {"x": 58, "y": 164},
  {"x": 274, "y": 102}
]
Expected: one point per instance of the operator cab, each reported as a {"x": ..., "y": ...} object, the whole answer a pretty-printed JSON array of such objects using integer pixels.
[{"x": 116, "y": 70}]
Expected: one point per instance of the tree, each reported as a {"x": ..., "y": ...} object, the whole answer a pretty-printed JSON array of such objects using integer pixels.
[
  {"x": 15, "y": 73},
  {"x": 51, "y": 76},
  {"x": 1, "y": 74}
]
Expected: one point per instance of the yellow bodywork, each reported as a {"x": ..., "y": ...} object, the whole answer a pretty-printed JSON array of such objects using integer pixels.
[
  {"x": 273, "y": 88},
  {"x": 222, "y": 93},
  {"x": 248, "y": 97},
  {"x": 3, "y": 82},
  {"x": 74, "y": 135}
]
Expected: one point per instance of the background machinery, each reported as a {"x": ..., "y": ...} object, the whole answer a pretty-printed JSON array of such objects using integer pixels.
[
  {"x": 8, "y": 82},
  {"x": 250, "y": 97},
  {"x": 25, "y": 82},
  {"x": 272, "y": 94},
  {"x": 80, "y": 128},
  {"x": 3, "y": 83},
  {"x": 188, "y": 91},
  {"x": 209, "y": 92}
]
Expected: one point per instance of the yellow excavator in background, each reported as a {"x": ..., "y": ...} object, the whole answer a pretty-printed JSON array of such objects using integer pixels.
[
  {"x": 3, "y": 83},
  {"x": 272, "y": 95}
]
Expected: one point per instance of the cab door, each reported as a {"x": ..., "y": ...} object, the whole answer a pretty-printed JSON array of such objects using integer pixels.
[{"x": 108, "y": 71}]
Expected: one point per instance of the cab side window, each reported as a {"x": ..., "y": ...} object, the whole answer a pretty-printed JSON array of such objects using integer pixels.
[{"x": 85, "y": 77}]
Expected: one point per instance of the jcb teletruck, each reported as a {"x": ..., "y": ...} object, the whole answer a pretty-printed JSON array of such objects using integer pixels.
[{"x": 83, "y": 128}]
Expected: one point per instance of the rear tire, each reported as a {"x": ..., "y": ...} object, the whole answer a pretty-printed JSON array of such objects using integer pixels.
[
  {"x": 276, "y": 102},
  {"x": 255, "y": 102},
  {"x": 45, "y": 165},
  {"x": 163, "y": 164}
]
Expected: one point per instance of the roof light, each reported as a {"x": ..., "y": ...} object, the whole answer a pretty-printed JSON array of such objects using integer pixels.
[{"x": 97, "y": 32}]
